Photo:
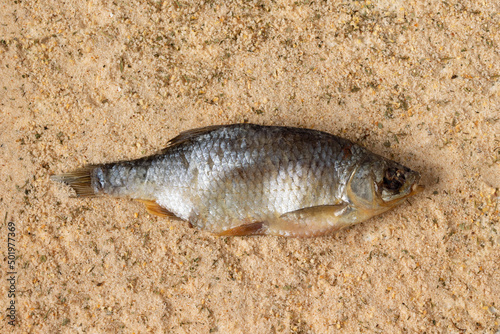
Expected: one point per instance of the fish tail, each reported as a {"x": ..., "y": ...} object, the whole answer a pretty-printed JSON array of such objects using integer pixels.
[{"x": 80, "y": 180}]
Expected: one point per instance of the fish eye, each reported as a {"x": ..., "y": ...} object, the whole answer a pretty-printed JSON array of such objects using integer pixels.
[{"x": 393, "y": 179}]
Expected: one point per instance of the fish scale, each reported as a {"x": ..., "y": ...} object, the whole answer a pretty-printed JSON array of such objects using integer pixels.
[{"x": 246, "y": 179}]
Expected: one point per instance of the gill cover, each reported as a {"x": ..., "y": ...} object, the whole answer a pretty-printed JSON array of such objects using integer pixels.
[{"x": 361, "y": 187}]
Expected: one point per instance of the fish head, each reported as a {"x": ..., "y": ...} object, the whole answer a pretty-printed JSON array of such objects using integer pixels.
[{"x": 379, "y": 184}]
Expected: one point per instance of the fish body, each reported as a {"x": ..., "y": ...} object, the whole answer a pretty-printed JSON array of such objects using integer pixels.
[{"x": 246, "y": 179}]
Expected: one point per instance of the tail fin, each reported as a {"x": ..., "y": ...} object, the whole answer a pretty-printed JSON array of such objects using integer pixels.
[{"x": 80, "y": 180}]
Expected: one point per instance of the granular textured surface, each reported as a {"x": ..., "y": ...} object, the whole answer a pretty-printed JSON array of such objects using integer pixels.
[{"x": 99, "y": 81}]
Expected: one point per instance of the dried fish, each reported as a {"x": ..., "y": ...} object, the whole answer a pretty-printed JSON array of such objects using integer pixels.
[{"x": 246, "y": 179}]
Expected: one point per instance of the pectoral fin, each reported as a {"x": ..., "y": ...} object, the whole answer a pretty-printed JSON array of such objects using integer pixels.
[
  {"x": 321, "y": 211},
  {"x": 306, "y": 222},
  {"x": 310, "y": 222},
  {"x": 155, "y": 209}
]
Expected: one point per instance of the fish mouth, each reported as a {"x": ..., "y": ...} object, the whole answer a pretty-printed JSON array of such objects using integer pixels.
[
  {"x": 410, "y": 188},
  {"x": 413, "y": 186},
  {"x": 416, "y": 189}
]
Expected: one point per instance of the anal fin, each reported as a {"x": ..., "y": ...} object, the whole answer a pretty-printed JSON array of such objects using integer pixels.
[
  {"x": 257, "y": 228},
  {"x": 155, "y": 209}
]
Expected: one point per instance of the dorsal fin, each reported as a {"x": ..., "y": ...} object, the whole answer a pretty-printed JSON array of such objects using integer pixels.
[{"x": 190, "y": 134}]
